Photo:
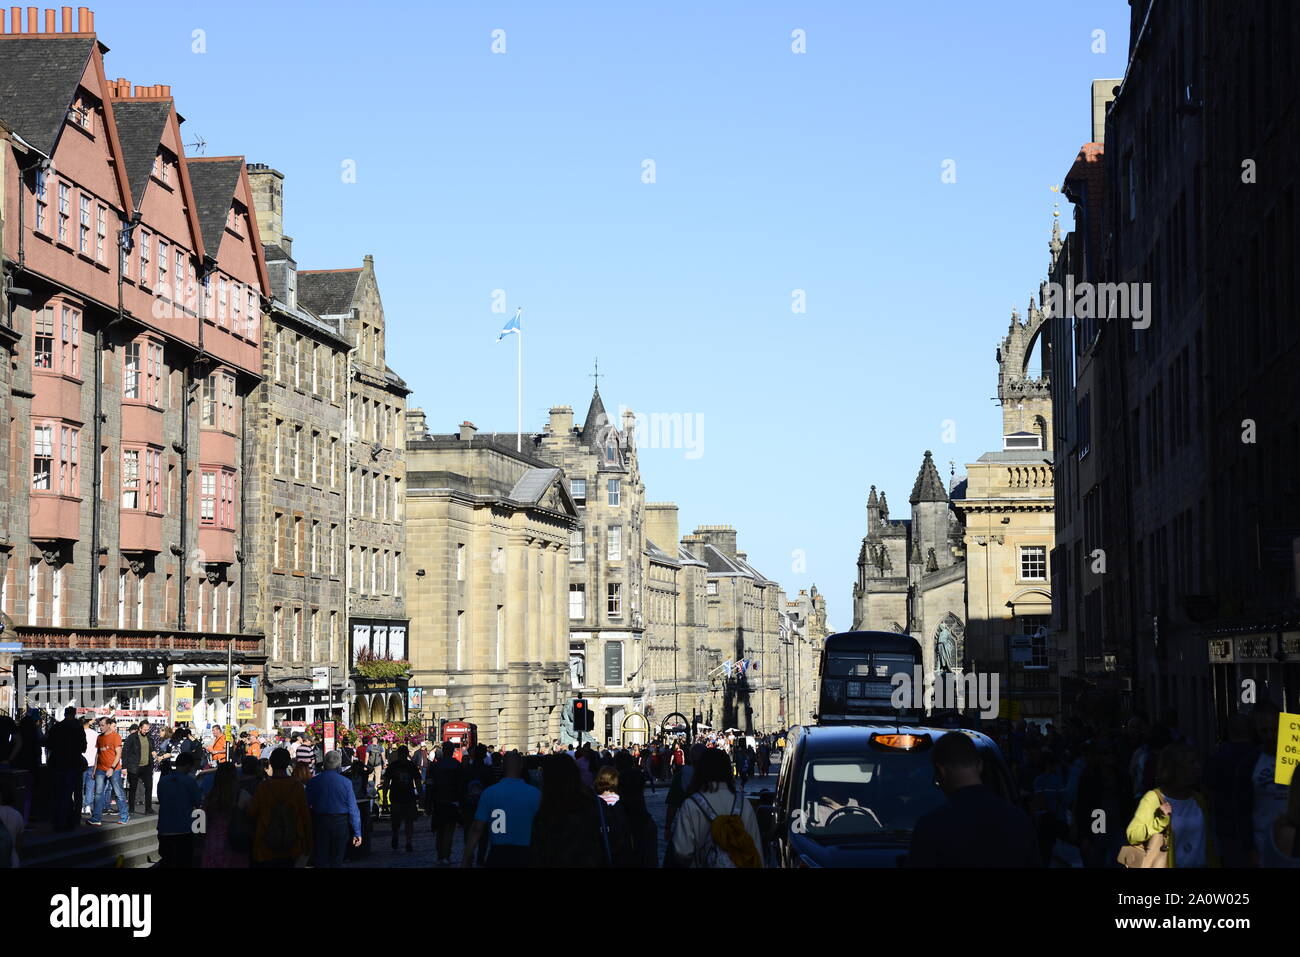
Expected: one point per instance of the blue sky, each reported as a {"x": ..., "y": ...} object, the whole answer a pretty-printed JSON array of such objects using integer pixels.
[{"x": 774, "y": 172}]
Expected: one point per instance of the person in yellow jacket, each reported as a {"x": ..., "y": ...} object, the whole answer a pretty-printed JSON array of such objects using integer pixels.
[{"x": 1176, "y": 808}]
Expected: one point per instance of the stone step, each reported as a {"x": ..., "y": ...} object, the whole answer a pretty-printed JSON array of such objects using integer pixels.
[{"x": 134, "y": 842}]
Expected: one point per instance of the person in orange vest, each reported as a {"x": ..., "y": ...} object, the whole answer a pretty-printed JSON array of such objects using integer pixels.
[
  {"x": 219, "y": 745},
  {"x": 255, "y": 744}
]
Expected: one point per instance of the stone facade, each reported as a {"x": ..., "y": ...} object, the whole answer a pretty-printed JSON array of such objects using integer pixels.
[
  {"x": 968, "y": 575},
  {"x": 487, "y": 584},
  {"x": 375, "y": 451},
  {"x": 676, "y": 636},
  {"x": 606, "y": 616},
  {"x": 743, "y": 609},
  {"x": 297, "y": 494},
  {"x": 805, "y": 639}
]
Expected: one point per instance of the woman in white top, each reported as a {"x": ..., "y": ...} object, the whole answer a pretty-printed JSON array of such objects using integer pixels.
[{"x": 712, "y": 794}]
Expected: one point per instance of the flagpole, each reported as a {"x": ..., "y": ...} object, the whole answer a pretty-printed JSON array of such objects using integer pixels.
[{"x": 519, "y": 385}]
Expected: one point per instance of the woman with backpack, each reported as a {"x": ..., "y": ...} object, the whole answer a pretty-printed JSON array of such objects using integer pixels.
[
  {"x": 228, "y": 839},
  {"x": 716, "y": 826}
]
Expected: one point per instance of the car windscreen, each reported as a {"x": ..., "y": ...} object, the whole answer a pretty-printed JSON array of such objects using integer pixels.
[{"x": 878, "y": 795}]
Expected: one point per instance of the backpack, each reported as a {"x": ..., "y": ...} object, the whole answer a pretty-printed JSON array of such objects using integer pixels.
[
  {"x": 729, "y": 844},
  {"x": 281, "y": 830},
  {"x": 374, "y": 757}
]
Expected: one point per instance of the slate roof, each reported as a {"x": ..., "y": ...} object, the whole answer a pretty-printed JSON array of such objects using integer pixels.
[
  {"x": 595, "y": 424},
  {"x": 658, "y": 554},
  {"x": 213, "y": 183},
  {"x": 275, "y": 253},
  {"x": 532, "y": 485},
  {"x": 1018, "y": 457},
  {"x": 140, "y": 126},
  {"x": 328, "y": 292},
  {"x": 38, "y": 77},
  {"x": 928, "y": 487}
]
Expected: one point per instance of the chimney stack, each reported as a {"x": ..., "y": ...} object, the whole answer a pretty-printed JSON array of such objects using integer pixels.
[
  {"x": 268, "y": 199},
  {"x": 417, "y": 428},
  {"x": 467, "y": 430},
  {"x": 661, "y": 525},
  {"x": 721, "y": 537},
  {"x": 561, "y": 422}
]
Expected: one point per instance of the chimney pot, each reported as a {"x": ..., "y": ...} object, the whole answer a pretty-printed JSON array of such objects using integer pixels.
[
  {"x": 67, "y": 19},
  {"x": 83, "y": 19},
  {"x": 15, "y": 19},
  {"x": 50, "y": 22},
  {"x": 33, "y": 19}
]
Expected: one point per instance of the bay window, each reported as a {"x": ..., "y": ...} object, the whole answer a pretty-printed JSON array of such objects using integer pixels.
[{"x": 42, "y": 457}]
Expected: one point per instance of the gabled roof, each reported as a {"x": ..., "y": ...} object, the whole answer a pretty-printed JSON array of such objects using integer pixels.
[
  {"x": 328, "y": 292},
  {"x": 929, "y": 486},
  {"x": 38, "y": 80},
  {"x": 140, "y": 125},
  {"x": 213, "y": 182}
]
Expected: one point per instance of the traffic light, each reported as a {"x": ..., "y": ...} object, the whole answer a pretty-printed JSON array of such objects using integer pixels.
[{"x": 582, "y": 720}]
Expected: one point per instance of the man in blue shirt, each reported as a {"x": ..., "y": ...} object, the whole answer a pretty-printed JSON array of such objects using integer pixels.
[
  {"x": 506, "y": 811},
  {"x": 334, "y": 812},
  {"x": 178, "y": 796}
]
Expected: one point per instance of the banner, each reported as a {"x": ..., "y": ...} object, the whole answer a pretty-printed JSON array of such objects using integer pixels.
[
  {"x": 1288, "y": 748},
  {"x": 182, "y": 705},
  {"x": 327, "y": 732},
  {"x": 244, "y": 708}
]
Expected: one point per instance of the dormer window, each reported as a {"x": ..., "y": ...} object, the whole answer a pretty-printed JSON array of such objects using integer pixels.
[
  {"x": 82, "y": 113},
  {"x": 1020, "y": 441},
  {"x": 162, "y": 168}
]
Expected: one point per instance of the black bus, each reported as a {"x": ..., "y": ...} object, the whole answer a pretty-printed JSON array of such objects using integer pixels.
[{"x": 857, "y": 675}]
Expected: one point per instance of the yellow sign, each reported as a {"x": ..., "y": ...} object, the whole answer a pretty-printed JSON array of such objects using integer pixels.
[
  {"x": 1288, "y": 747},
  {"x": 183, "y": 705},
  {"x": 244, "y": 697}
]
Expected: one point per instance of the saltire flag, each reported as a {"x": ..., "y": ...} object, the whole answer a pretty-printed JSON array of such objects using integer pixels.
[{"x": 511, "y": 328}]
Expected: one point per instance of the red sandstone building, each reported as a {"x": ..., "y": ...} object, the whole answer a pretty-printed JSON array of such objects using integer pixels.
[{"x": 133, "y": 298}]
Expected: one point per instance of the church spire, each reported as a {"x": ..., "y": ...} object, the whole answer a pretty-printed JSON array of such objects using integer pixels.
[
  {"x": 872, "y": 501},
  {"x": 929, "y": 486}
]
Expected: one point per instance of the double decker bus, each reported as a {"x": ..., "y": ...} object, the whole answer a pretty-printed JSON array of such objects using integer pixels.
[{"x": 857, "y": 676}]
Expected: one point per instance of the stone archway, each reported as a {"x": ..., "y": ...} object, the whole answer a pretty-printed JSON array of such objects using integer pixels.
[
  {"x": 361, "y": 710},
  {"x": 396, "y": 712},
  {"x": 378, "y": 709}
]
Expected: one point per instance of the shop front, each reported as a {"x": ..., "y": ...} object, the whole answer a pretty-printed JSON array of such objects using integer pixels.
[
  {"x": 96, "y": 684},
  {"x": 1251, "y": 667},
  {"x": 380, "y": 672}
]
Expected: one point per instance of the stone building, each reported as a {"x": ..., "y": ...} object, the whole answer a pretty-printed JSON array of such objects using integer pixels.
[
  {"x": 487, "y": 583},
  {"x": 1178, "y": 465},
  {"x": 606, "y": 616},
  {"x": 675, "y": 642},
  {"x": 801, "y": 669},
  {"x": 741, "y": 654},
  {"x": 374, "y": 445},
  {"x": 1006, "y": 505},
  {"x": 133, "y": 320},
  {"x": 297, "y": 493},
  {"x": 968, "y": 574},
  {"x": 911, "y": 572}
]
